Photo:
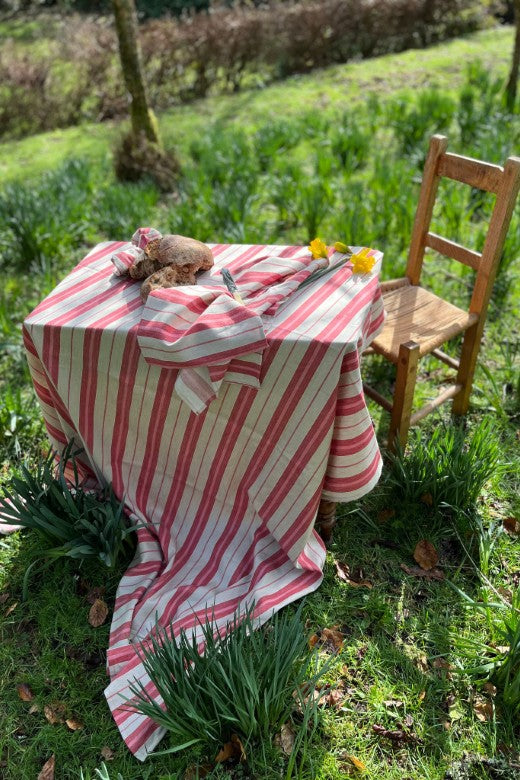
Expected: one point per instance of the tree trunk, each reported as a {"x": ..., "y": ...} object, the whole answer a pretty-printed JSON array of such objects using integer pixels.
[
  {"x": 515, "y": 65},
  {"x": 143, "y": 120}
]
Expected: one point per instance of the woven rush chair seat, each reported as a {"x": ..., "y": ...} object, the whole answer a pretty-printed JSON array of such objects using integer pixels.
[{"x": 416, "y": 314}]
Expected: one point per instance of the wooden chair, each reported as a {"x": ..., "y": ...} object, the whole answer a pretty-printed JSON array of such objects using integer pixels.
[{"x": 419, "y": 322}]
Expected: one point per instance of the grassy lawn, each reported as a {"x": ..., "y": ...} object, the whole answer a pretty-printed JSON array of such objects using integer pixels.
[{"x": 336, "y": 153}]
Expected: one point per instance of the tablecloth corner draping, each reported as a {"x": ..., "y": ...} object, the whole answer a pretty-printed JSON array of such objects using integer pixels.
[{"x": 229, "y": 495}]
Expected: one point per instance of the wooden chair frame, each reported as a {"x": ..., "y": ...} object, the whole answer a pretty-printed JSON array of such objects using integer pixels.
[{"x": 504, "y": 182}]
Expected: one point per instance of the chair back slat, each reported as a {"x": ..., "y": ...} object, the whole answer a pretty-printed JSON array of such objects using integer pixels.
[
  {"x": 453, "y": 250},
  {"x": 482, "y": 175},
  {"x": 504, "y": 182}
]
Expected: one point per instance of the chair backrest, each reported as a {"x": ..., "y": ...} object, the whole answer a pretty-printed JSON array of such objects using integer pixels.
[{"x": 503, "y": 182}]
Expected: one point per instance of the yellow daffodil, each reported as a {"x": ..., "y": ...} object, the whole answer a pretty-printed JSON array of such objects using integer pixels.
[
  {"x": 318, "y": 248},
  {"x": 339, "y": 246},
  {"x": 362, "y": 262}
]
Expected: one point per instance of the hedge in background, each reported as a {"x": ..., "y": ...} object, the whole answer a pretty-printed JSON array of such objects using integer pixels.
[{"x": 75, "y": 76}]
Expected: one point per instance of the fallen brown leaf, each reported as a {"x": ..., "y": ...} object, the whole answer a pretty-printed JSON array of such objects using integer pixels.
[
  {"x": 107, "y": 753},
  {"x": 343, "y": 572},
  {"x": 385, "y": 514},
  {"x": 24, "y": 692},
  {"x": 427, "y": 499},
  {"x": 286, "y": 739},
  {"x": 232, "y": 749},
  {"x": 415, "y": 571},
  {"x": 55, "y": 713},
  {"x": 313, "y": 640},
  {"x": 74, "y": 724},
  {"x": 396, "y": 735},
  {"x": 506, "y": 593},
  {"x": 511, "y": 525},
  {"x": 483, "y": 708},
  {"x": 33, "y": 709},
  {"x": 490, "y": 688},
  {"x": 333, "y": 698},
  {"x": 47, "y": 771},
  {"x": 441, "y": 663},
  {"x": 11, "y": 608},
  {"x": 425, "y": 554},
  {"x": 98, "y": 613},
  {"x": 194, "y": 771},
  {"x": 360, "y": 766},
  {"x": 332, "y": 639},
  {"x": 94, "y": 594},
  {"x": 4, "y": 597},
  {"x": 393, "y": 703}
]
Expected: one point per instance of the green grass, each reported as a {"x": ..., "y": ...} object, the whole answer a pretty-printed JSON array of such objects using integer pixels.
[{"x": 340, "y": 153}]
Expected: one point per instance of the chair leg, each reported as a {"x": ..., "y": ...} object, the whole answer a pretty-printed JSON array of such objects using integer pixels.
[
  {"x": 403, "y": 394},
  {"x": 326, "y": 519},
  {"x": 467, "y": 365}
]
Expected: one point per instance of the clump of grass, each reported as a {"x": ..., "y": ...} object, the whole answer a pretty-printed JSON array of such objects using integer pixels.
[
  {"x": 245, "y": 681},
  {"x": 100, "y": 774},
  {"x": 448, "y": 467},
  {"x": 497, "y": 658},
  {"x": 70, "y": 520}
]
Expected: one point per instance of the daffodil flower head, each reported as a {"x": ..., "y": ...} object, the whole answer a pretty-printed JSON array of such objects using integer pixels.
[
  {"x": 362, "y": 262},
  {"x": 318, "y": 248}
]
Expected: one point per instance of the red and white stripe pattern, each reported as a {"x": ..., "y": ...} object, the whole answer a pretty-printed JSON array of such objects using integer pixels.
[
  {"x": 230, "y": 495},
  {"x": 212, "y": 337}
]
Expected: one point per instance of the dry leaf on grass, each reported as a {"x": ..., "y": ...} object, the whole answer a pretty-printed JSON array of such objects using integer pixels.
[
  {"x": 421, "y": 696},
  {"x": 490, "y": 689},
  {"x": 194, "y": 771},
  {"x": 425, "y": 554},
  {"x": 286, "y": 739},
  {"x": 107, "y": 753},
  {"x": 511, "y": 525},
  {"x": 47, "y": 771},
  {"x": 393, "y": 703},
  {"x": 427, "y": 499},
  {"x": 74, "y": 724},
  {"x": 24, "y": 692},
  {"x": 415, "y": 571},
  {"x": 343, "y": 572},
  {"x": 98, "y": 613},
  {"x": 232, "y": 749},
  {"x": 395, "y": 735},
  {"x": 441, "y": 663},
  {"x": 332, "y": 639},
  {"x": 334, "y": 699},
  {"x": 55, "y": 712},
  {"x": 483, "y": 708},
  {"x": 329, "y": 638},
  {"x": 94, "y": 594},
  {"x": 385, "y": 514},
  {"x": 33, "y": 709},
  {"x": 4, "y": 597},
  {"x": 359, "y": 765},
  {"x": 11, "y": 608}
]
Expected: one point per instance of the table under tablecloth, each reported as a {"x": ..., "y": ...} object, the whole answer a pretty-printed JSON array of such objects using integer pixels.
[{"x": 228, "y": 497}]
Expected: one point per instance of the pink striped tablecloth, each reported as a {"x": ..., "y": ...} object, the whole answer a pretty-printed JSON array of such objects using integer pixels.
[{"x": 229, "y": 495}]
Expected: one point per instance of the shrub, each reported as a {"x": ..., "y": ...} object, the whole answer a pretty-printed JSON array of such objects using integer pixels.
[
  {"x": 244, "y": 681},
  {"x": 70, "y": 520},
  {"x": 76, "y": 76},
  {"x": 448, "y": 467}
]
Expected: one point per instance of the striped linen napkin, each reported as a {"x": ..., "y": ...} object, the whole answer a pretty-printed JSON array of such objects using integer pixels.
[{"x": 209, "y": 335}]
